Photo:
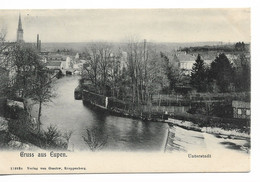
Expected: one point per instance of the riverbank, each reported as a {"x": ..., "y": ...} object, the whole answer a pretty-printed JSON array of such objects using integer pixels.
[
  {"x": 121, "y": 108},
  {"x": 9, "y": 141},
  {"x": 228, "y": 127}
]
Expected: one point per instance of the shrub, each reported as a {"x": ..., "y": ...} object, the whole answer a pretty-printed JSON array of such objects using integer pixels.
[{"x": 94, "y": 139}]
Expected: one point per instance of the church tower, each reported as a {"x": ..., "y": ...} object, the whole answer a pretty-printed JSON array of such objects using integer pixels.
[{"x": 20, "y": 31}]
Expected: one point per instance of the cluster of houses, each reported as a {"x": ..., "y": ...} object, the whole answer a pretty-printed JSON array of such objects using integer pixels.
[{"x": 185, "y": 61}]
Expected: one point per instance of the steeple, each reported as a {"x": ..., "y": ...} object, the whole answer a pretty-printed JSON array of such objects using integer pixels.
[{"x": 20, "y": 30}]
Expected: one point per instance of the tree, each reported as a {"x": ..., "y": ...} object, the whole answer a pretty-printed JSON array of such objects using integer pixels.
[
  {"x": 42, "y": 92},
  {"x": 3, "y": 70},
  {"x": 222, "y": 71},
  {"x": 31, "y": 80},
  {"x": 98, "y": 68},
  {"x": 153, "y": 79},
  {"x": 104, "y": 51},
  {"x": 242, "y": 73},
  {"x": 172, "y": 72},
  {"x": 3, "y": 33},
  {"x": 26, "y": 64},
  {"x": 134, "y": 58},
  {"x": 198, "y": 75},
  {"x": 240, "y": 46},
  {"x": 91, "y": 70}
]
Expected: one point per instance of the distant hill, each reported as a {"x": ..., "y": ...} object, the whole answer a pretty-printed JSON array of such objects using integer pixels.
[
  {"x": 160, "y": 46},
  {"x": 235, "y": 47}
]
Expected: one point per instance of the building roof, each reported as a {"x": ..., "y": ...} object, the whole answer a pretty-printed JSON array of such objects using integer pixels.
[
  {"x": 209, "y": 56},
  {"x": 57, "y": 57},
  {"x": 53, "y": 63},
  {"x": 185, "y": 57},
  {"x": 240, "y": 104}
]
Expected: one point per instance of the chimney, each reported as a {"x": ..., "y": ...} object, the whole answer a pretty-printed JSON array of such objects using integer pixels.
[
  {"x": 144, "y": 49},
  {"x": 37, "y": 44},
  {"x": 40, "y": 45}
]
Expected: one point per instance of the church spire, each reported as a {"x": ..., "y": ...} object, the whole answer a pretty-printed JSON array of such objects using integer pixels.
[
  {"x": 20, "y": 30},
  {"x": 20, "y": 23}
]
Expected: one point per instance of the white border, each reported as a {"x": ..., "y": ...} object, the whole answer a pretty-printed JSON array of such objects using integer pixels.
[{"x": 78, "y": 4}]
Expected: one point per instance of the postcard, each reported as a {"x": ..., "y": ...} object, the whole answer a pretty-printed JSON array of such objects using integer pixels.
[{"x": 125, "y": 90}]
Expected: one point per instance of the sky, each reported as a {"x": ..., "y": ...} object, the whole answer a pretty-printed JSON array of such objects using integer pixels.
[{"x": 158, "y": 25}]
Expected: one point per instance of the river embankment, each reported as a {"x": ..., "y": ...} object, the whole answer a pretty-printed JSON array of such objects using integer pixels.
[{"x": 9, "y": 141}]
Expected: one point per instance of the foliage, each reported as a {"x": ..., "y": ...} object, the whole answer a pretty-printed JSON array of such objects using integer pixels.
[
  {"x": 173, "y": 73},
  {"x": 240, "y": 46},
  {"x": 130, "y": 73},
  {"x": 223, "y": 72},
  {"x": 52, "y": 135},
  {"x": 49, "y": 139},
  {"x": 4, "y": 80},
  {"x": 30, "y": 79},
  {"x": 42, "y": 92},
  {"x": 199, "y": 75},
  {"x": 242, "y": 74},
  {"x": 94, "y": 139}
]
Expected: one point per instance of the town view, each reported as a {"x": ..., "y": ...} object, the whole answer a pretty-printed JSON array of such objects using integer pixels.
[{"x": 125, "y": 80}]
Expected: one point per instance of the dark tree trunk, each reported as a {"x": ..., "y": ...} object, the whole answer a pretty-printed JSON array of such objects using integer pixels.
[{"x": 39, "y": 117}]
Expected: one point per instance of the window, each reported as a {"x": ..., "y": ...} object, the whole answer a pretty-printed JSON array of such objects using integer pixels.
[
  {"x": 239, "y": 111},
  {"x": 248, "y": 112}
]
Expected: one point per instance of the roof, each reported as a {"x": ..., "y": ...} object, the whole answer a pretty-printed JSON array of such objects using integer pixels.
[
  {"x": 240, "y": 104},
  {"x": 53, "y": 63},
  {"x": 209, "y": 56},
  {"x": 57, "y": 57},
  {"x": 185, "y": 57}
]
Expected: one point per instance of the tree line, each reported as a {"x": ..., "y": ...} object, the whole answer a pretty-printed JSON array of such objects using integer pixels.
[
  {"x": 137, "y": 71},
  {"x": 25, "y": 77},
  {"x": 131, "y": 73},
  {"x": 221, "y": 75}
]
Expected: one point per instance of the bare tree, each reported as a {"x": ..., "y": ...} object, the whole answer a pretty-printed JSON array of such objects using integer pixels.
[
  {"x": 134, "y": 61},
  {"x": 3, "y": 70},
  {"x": 94, "y": 139},
  {"x": 105, "y": 51},
  {"x": 91, "y": 70},
  {"x": 99, "y": 67},
  {"x": 42, "y": 92},
  {"x": 3, "y": 32}
]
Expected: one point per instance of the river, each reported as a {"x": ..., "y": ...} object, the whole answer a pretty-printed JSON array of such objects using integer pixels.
[{"x": 123, "y": 134}]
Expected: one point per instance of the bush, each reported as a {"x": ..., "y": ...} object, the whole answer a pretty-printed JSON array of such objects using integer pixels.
[{"x": 94, "y": 139}]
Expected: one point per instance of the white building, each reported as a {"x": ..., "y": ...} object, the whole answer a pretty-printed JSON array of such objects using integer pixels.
[
  {"x": 65, "y": 60},
  {"x": 54, "y": 65},
  {"x": 186, "y": 62}
]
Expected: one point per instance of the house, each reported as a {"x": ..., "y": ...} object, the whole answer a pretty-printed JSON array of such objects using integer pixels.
[
  {"x": 65, "y": 60},
  {"x": 186, "y": 62},
  {"x": 54, "y": 65},
  {"x": 241, "y": 109}
]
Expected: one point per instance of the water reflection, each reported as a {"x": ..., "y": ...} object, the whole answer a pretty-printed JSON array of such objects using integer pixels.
[{"x": 124, "y": 134}]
